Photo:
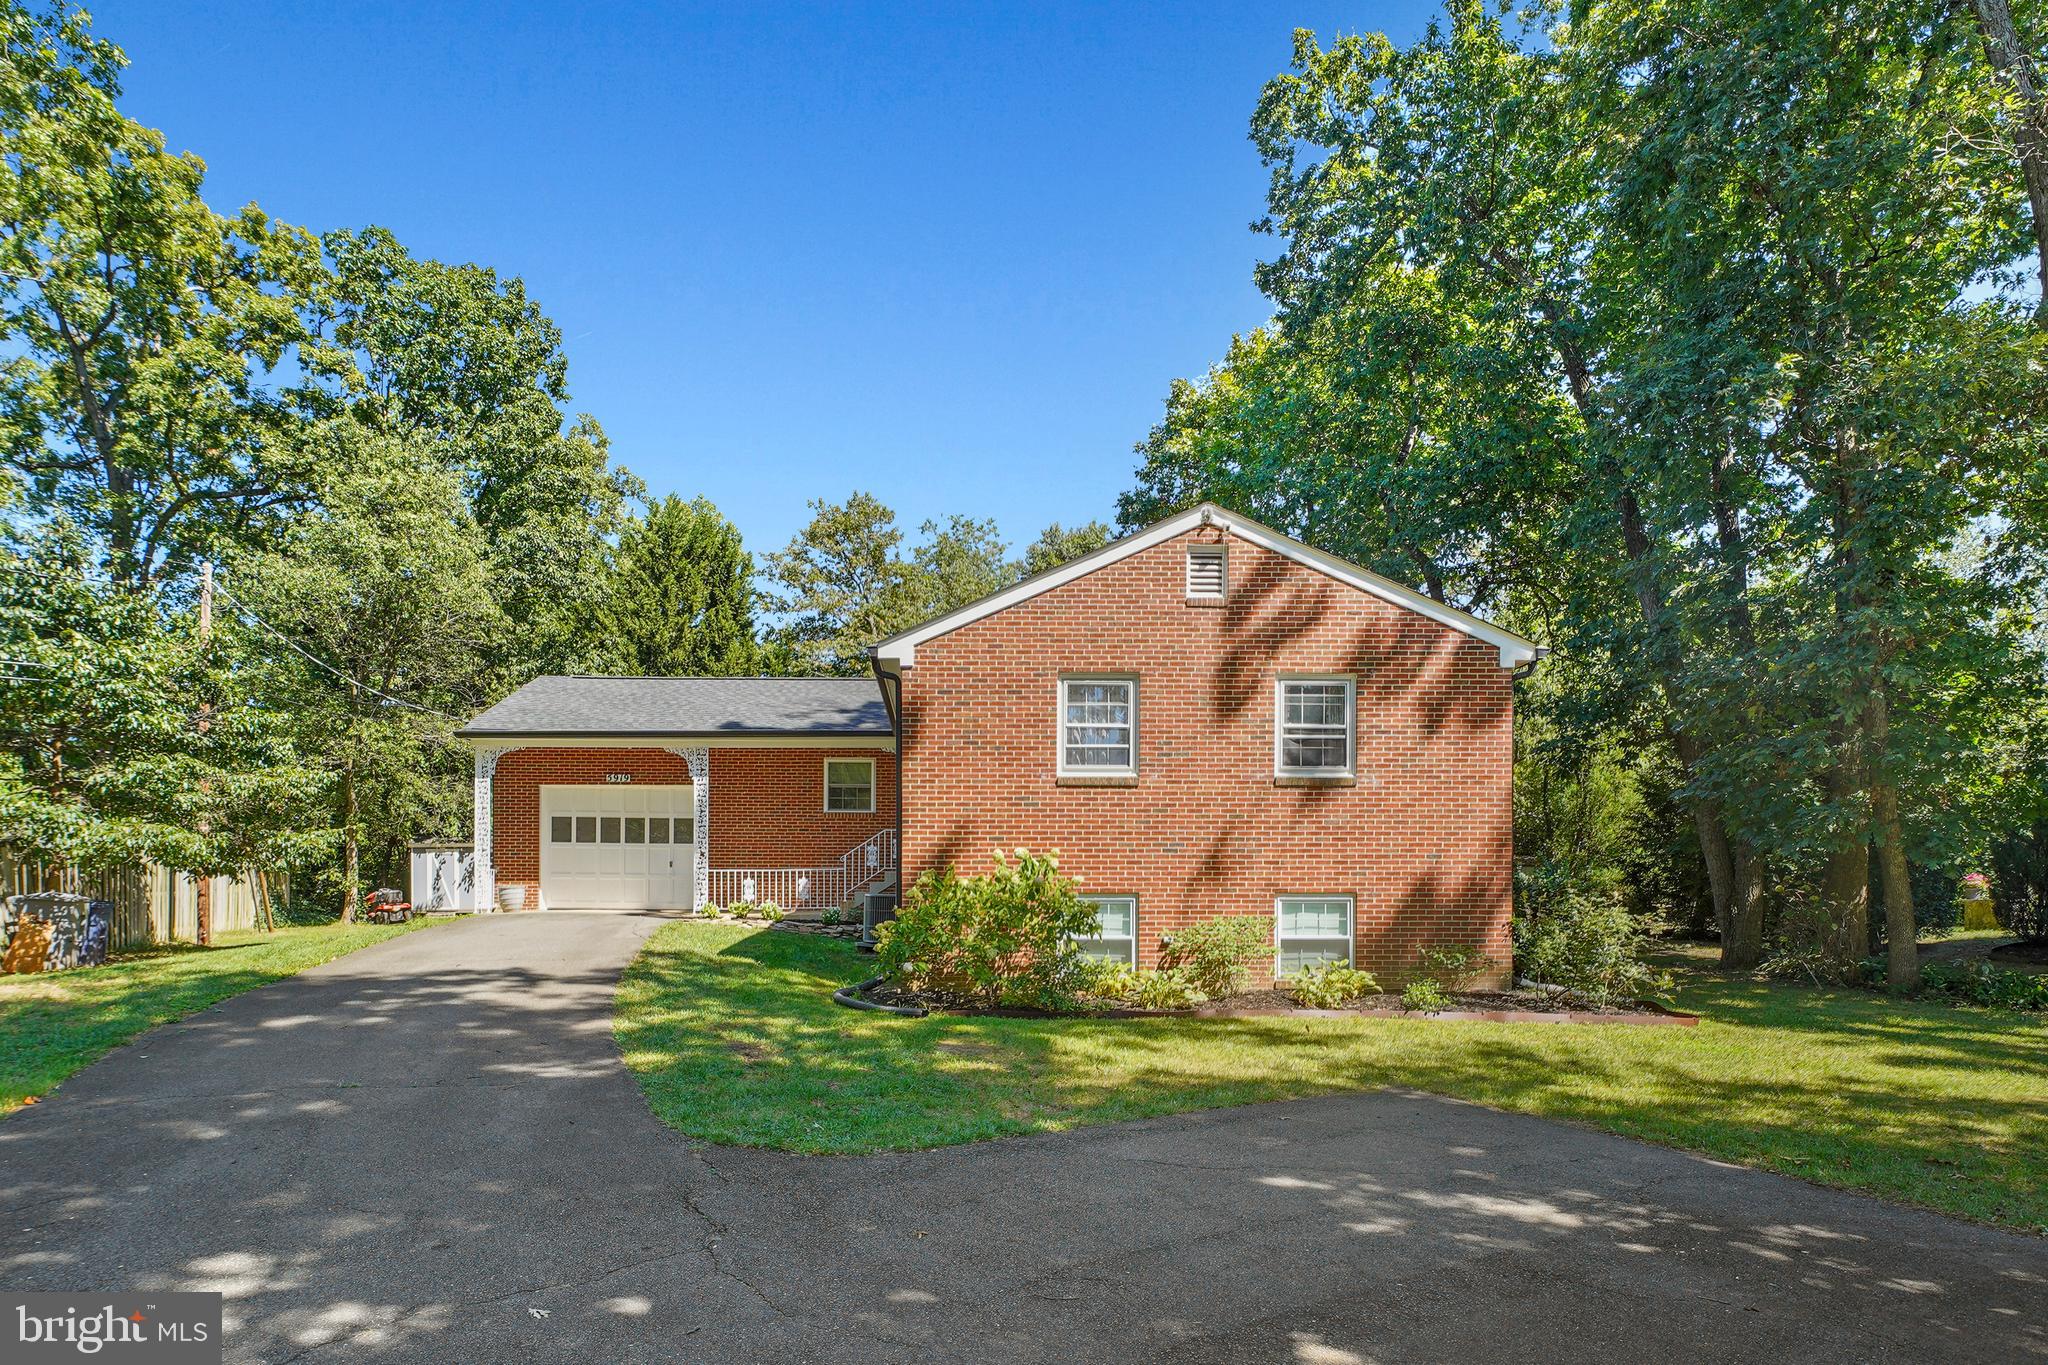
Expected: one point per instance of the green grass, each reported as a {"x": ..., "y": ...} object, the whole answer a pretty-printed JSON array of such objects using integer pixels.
[
  {"x": 735, "y": 1040},
  {"x": 52, "y": 1025}
]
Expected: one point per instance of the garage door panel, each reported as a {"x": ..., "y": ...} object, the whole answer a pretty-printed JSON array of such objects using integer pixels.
[{"x": 620, "y": 847}]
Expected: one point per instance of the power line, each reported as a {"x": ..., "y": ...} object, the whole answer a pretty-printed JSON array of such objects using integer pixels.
[{"x": 242, "y": 609}]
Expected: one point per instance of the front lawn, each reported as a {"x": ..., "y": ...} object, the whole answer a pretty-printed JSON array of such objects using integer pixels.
[
  {"x": 51, "y": 1025},
  {"x": 735, "y": 1040}
]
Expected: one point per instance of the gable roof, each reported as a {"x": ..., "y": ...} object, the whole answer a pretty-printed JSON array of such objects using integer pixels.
[
  {"x": 901, "y": 649},
  {"x": 582, "y": 706}
]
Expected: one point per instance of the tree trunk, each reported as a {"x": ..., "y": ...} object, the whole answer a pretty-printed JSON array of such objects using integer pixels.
[
  {"x": 1845, "y": 884},
  {"x": 202, "y": 910},
  {"x": 349, "y": 870},
  {"x": 2015, "y": 65},
  {"x": 1902, "y": 934},
  {"x": 1742, "y": 942}
]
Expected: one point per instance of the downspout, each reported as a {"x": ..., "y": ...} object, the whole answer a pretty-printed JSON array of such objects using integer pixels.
[{"x": 892, "y": 700}]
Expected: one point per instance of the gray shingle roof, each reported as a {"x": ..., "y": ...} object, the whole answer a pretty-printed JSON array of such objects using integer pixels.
[{"x": 591, "y": 707}]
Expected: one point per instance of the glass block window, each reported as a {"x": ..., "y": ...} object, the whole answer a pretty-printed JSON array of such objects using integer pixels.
[
  {"x": 850, "y": 784},
  {"x": 1116, "y": 929},
  {"x": 1099, "y": 726},
  {"x": 1313, "y": 730},
  {"x": 1312, "y": 929}
]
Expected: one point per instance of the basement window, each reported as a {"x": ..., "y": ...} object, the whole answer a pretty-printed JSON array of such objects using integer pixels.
[
  {"x": 1208, "y": 571},
  {"x": 1311, "y": 929},
  {"x": 1116, "y": 930}
]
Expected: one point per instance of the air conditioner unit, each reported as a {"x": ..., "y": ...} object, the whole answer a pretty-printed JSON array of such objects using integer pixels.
[{"x": 877, "y": 909}]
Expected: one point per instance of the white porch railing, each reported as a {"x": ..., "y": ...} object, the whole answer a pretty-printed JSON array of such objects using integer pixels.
[{"x": 808, "y": 888}]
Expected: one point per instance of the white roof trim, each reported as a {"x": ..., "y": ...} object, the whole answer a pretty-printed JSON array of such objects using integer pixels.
[{"x": 901, "y": 650}]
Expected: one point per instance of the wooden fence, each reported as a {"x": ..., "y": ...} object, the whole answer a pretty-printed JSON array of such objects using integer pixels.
[{"x": 152, "y": 904}]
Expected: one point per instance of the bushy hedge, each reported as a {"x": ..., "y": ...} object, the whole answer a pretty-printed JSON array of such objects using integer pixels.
[
  {"x": 1215, "y": 955},
  {"x": 1589, "y": 944},
  {"x": 1005, "y": 938},
  {"x": 1981, "y": 983}
]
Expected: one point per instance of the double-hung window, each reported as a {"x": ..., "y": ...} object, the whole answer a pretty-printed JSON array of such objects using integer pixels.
[
  {"x": 1313, "y": 727},
  {"x": 1116, "y": 930},
  {"x": 1098, "y": 727},
  {"x": 850, "y": 784},
  {"x": 1311, "y": 929}
]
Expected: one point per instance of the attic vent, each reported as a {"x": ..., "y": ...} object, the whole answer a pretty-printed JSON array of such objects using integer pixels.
[{"x": 1206, "y": 570}]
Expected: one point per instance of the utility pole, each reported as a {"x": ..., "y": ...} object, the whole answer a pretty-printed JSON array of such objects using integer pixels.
[{"x": 202, "y": 907}]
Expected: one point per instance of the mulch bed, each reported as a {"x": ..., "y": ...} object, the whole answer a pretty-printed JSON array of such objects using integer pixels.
[{"x": 1535, "y": 1007}]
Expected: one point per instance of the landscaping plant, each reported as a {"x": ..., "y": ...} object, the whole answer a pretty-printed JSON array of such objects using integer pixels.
[
  {"x": 1330, "y": 985},
  {"x": 1424, "y": 996},
  {"x": 1216, "y": 954},
  {"x": 1006, "y": 938},
  {"x": 1589, "y": 944},
  {"x": 1453, "y": 966},
  {"x": 1981, "y": 983}
]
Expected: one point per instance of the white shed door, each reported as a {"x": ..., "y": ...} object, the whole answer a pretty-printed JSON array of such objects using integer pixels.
[{"x": 622, "y": 847}]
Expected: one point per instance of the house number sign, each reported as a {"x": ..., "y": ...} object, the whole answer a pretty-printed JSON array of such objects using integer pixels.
[{"x": 618, "y": 777}]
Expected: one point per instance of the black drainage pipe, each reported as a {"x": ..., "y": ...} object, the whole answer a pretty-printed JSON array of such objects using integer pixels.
[{"x": 850, "y": 996}]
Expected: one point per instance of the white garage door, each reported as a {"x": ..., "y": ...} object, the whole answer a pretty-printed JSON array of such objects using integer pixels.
[{"x": 617, "y": 847}]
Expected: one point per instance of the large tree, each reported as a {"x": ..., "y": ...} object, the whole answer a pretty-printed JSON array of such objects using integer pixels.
[
  {"x": 371, "y": 624},
  {"x": 681, "y": 597},
  {"x": 157, "y": 357}
]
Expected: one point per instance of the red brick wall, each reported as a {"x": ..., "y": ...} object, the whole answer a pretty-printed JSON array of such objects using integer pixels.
[
  {"x": 767, "y": 805},
  {"x": 1422, "y": 840}
]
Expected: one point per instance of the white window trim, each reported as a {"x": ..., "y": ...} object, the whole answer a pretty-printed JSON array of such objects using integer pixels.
[
  {"x": 1222, "y": 552},
  {"x": 1102, "y": 938},
  {"x": 1350, "y": 768},
  {"x": 825, "y": 787},
  {"x": 1350, "y": 926},
  {"x": 1060, "y": 765}
]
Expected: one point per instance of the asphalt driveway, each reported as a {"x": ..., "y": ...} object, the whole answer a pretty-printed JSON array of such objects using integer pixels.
[{"x": 429, "y": 1151}]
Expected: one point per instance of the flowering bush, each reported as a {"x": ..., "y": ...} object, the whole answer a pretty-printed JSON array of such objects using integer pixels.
[{"x": 1001, "y": 939}]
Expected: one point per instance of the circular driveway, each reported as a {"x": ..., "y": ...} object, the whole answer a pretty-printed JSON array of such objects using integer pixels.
[{"x": 429, "y": 1150}]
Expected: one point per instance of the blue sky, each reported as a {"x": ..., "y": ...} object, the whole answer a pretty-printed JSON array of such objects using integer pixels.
[{"x": 952, "y": 254}]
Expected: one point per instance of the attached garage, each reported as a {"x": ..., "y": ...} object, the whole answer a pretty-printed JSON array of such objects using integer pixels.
[
  {"x": 670, "y": 794},
  {"x": 617, "y": 847}
]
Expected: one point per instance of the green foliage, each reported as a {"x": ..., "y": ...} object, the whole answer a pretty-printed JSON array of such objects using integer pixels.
[
  {"x": 1216, "y": 955},
  {"x": 1330, "y": 985},
  {"x": 1057, "y": 545},
  {"x": 2019, "y": 881},
  {"x": 680, "y": 600},
  {"x": 1453, "y": 966},
  {"x": 831, "y": 914},
  {"x": 1590, "y": 944},
  {"x": 1982, "y": 983},
  {"x": 1424, "y": 996},
  {"x": 1144, "y": 987},
  {"x": 1004, "y": 938},
  {"x": 844, "y": 581},
  {"x": 385, "y": 599}
]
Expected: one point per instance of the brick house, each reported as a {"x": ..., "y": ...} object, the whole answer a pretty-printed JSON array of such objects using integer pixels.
[{"x": 1205, "y": 718}]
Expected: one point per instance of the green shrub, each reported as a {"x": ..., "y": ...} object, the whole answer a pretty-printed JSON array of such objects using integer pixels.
[
  {"x": 1329, "y": 985},
  {"x": 2019, "y": 881},
  {"x": 1981, "y": 983},
  {"x": 1216, "y": 954},
  {"x": 1590, "y": 945},
  {"x": 1423, "y": 995},
  {"x": 771, "y": 912},
  {"x": 1001, "y": 939},
  {"x": 1115, "y": 983},
  {"x": 1453, "y": 966},
  {"x": 830, "y": 915}
]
